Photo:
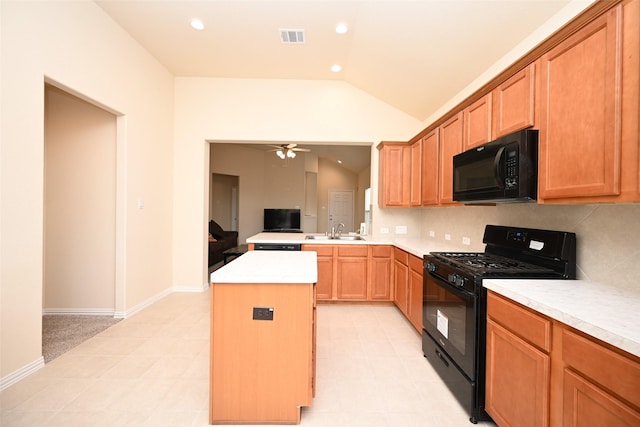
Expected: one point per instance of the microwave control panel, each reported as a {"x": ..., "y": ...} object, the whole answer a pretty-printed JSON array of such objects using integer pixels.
[{"x": 511, "y": 160}]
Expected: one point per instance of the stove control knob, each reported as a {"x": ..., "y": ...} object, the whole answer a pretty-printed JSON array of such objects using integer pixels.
[
  {"x": 429, "y": 266},
  {"x": 452, "y": 278},
  {"x": 461, "y": 281}
]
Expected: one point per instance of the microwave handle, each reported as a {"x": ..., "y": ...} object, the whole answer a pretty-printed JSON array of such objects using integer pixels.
[{"x": 498, "y": 166}]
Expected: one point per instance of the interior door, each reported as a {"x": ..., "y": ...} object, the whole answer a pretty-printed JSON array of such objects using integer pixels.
[{"x": 341, "y": 209}]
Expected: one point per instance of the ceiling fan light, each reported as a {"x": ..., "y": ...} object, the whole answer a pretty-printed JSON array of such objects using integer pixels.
[
  {"x": 291, "y": 154},
  {"x": 280, "y": 154}
]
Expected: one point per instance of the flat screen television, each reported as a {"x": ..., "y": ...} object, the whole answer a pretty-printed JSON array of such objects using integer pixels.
[{"x": 282, "y": 220}]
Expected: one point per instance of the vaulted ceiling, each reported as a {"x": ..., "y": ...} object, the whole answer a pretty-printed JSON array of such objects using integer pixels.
[{"x": 412, "y": 54}]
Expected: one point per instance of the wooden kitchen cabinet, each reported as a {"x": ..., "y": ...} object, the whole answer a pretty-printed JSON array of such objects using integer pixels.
[
  {"x": 408, "y": 286},
  {"x": 588, "y": 149},
  {"x": 477, "y": 123},
  {"x": 352, "y": 265},
  {"x": 401, "y": 279},
  {"x": 514, "y": 103},
  {"x": 381, "y": 272},
  {"x": 518, "y": 365},
  {"x": 353, "y": 272},
  {"x": 543, "y": 372},
  {"x": 451, "y": 135},
  {"x": 415, "y": 198},
  {"x": 414, "y": 307},
  {"x": 429, "y": 168},
  {"x": 324, "y": 286},
  {"x": 394, "y": 174}
]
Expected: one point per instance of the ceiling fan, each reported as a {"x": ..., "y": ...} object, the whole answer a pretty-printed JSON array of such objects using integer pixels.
[{"x": 287, "y": 150}]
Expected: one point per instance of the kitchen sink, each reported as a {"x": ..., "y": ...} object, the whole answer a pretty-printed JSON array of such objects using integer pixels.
[{"x": 325, "y": 237}]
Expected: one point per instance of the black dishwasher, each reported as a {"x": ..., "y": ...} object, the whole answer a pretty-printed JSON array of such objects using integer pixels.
[{"x": 277, "y": 246}]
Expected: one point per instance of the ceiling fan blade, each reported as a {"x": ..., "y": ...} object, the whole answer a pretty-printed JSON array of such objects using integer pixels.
[{"x": 306, "y": 150}]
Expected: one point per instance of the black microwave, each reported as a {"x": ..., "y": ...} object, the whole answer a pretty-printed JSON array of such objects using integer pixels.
[{"x": 500, "y": 171}]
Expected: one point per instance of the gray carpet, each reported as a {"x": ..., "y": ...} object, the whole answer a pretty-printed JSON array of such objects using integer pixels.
[{"x": 61, "y": 333}]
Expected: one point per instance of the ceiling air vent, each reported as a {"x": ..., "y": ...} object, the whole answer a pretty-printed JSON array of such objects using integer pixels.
[{"x": 292, "y": 36}]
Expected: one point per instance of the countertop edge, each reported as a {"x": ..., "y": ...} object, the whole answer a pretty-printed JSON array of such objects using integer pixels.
[{"x": 607, "y": 324}]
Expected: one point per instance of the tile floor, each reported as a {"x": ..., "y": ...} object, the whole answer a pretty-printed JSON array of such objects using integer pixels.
[{"x": 152, "y": 370}]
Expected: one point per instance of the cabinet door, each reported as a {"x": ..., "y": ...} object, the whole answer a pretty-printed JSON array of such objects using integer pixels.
[
  {"x": 585, "y": 404},
  {"x": 352, "y": 272},
  {"x": 580, "y": 139},
  {"x": 429, "y": 186},
  {"x": 352, "y": 278},
  {"x": 395, "y": 165},
  {"x": 513, "y": 103},
  {"x": 416, "y": 174},
  {"x": 518, "y": 375},
  {"x": 381, "y": 263},
  {"x": 324, "y": 286},
  {"x": 415, "y": 292},
  {"x": 477, "y": 123},
  {"x": 400, "y": 294},
  {"x": 450, "y": 145}
]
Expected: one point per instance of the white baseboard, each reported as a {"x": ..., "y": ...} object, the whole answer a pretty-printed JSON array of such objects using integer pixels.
[
  {"x": 21, "y": 373},
  {"x": 144, "y": 304},
  {"x": 190, "y": 288},
  {"x": 79, "y": 311}
]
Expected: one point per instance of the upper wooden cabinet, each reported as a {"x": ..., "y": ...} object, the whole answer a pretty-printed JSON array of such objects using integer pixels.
[
  {"x": 429, "y": 174},
  {"x": 513, "y": 103},
  {"x": 394, "y": 174},
  {"x": 588, "y": 148},
  {"x": 415, "y": 198},
  {"x": 477, "y": 123},
  {"x": 451, "y": 134}
]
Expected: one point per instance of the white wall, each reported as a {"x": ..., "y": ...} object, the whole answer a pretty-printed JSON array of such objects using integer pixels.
[
  {"x": 77, "y": 46},
  {"x": 327, "y": 112},
  {"x": 80, "y": 206}
]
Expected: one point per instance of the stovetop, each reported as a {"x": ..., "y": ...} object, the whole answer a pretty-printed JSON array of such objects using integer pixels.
[{"x": 480, "y": 263}]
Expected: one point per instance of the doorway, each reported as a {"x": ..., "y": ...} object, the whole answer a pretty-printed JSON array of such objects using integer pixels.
[
  {"x": 79, "y": 206},
  {"x": 223, "y": 200},
  {"x": 341, "y": 209}
]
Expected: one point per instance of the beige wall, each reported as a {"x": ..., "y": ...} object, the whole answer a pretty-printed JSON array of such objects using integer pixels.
[
  {"x": 80, "y": 206},
  {"x": 332, "y": 176},
  {"x": 77, "y": 46},
  {"x": 242, "y": 110},
  {"x": 220, "y": 199}
]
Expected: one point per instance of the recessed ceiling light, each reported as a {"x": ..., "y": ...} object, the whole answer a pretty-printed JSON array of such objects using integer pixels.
[
  {"x": 340, "y": 161},
  {"x": 341, "y": 28},
  {"x": 336, "y": 68},
  {"x": 197, "y": 24}
]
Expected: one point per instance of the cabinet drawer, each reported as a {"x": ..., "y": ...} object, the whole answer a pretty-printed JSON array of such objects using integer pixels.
[
  {"x": 352, "y": 250},
  {"x": 321, "y": 250},
  {"x": 415, "y": 263},
  {"x": 401, "y": 256},
  {"x": 610, "y": 369},
  {"x": 381, "y": 251},
  {"x": 524, "y": 323}
]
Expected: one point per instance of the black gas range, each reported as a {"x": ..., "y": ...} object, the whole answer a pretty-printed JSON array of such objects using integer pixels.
[{"x": 454, "y": 303}]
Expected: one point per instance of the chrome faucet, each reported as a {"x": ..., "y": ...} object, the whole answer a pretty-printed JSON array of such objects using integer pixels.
[{"x": 338, "y": 231}]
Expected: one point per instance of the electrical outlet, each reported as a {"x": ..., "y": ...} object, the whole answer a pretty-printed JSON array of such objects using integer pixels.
[
  {"x": 447, "y": 236},
  {"x": 466, "y": 241},
  {"x": 384, "y": 230},
  {"x": 432, "y": 233},
  {"x": 401, "y": 229},
  {"x": 262, "y": 313}
]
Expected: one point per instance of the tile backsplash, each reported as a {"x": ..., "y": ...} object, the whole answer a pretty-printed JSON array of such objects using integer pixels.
[{"x": 608, "y": 236}]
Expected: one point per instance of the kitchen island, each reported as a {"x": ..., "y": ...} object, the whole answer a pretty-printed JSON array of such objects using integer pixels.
[{"x": 262, "y": 368}]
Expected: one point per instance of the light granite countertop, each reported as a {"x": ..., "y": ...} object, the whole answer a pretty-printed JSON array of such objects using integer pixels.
[
  {"x": 269, "y": 267},
  {"x": 414, "y": 246},
  {"x": 604, "y": 312}
]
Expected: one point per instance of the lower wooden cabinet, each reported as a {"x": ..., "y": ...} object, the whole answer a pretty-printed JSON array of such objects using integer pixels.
[
  {"x": 353, "y": 272},
  {"x": 408, "y": 286},
  {"x": 541, "y": 372}
]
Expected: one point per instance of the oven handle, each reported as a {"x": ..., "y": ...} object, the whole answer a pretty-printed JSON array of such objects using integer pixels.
[
  {"x": 441, "y": 357},
  {"x": 454, "y": 290}
]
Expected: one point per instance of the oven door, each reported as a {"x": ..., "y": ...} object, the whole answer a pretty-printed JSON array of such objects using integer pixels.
[{"x": 449, "y": 316}]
